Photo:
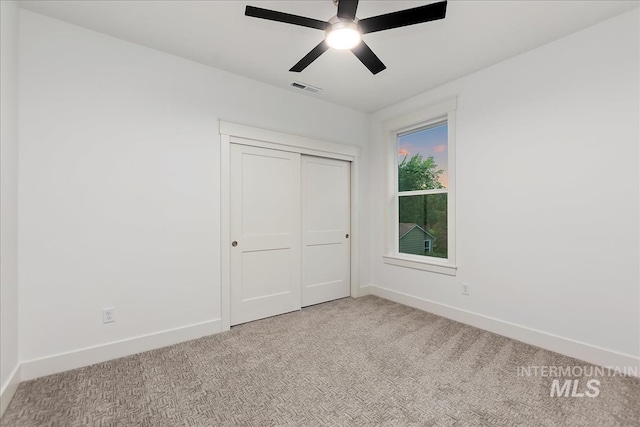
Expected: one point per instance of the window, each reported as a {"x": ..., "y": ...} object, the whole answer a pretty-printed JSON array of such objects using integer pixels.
[
  {"x": 421, "y": 202},
  {"x": 422, "y": 185}
]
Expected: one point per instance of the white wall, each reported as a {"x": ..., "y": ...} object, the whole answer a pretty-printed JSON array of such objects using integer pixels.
[
  {"x": 119, "y": 169},
  {"x": 547, "y": 202},
  {"x": 8, "y": 197}
]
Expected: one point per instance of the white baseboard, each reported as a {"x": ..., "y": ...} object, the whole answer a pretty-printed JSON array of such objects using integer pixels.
[
  {"x": 54, "y": 364},
  {"x": 566, "y": 346},
  {"x": 362, "y": 291},
  {"x": 9, "y": 389}
]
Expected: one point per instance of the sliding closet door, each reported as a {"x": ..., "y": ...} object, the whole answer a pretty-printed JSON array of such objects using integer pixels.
[
  {"x": 265, "y": 233},
  {"x": 325, "y": 230}
]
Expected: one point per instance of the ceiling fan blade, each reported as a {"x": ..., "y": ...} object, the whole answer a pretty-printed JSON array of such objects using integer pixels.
[
  {"x": 368, "y": 58},
  {"x": 347, "y": 9},
  {"x": 417, "y": 15},
  {"x": 287, "y": 18},
  {"x": 310, "y": 57}
]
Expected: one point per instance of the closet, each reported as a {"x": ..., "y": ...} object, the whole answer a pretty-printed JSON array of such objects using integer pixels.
[{"x": 289, "y": 231}]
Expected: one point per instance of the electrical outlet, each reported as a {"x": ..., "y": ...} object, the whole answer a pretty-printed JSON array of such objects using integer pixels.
[
  {"x": 108, "y": 315},
  {"x": 465, "y": 289}
]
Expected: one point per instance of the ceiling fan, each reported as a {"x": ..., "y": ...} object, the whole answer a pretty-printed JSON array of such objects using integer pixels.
[{"x": 344, "y": 31}]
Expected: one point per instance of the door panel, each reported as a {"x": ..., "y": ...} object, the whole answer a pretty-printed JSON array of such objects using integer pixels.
[
  {"x": 265, "y": 223},
  {"x": 265, "y": 273},
  {"x": 325, "y": 226},
  {"x": 264, "y": 194}
]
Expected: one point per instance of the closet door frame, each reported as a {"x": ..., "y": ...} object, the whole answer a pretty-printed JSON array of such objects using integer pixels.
[{"x": 236, "y": 133}]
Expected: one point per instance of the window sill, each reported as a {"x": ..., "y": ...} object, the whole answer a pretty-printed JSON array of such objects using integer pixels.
[{"x": 433, "y": 267}]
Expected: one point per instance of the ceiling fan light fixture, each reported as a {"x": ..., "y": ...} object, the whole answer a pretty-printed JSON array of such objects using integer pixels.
[{"x": 343, "y": 35}]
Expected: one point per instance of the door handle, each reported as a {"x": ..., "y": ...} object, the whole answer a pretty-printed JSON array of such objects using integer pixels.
[
  {"x": 346, "y": 236},
  {"x": 234, "y": 243}
]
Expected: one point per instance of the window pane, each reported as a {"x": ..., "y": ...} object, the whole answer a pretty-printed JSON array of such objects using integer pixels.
[
  {"x": 422, "y": 219},
  {"x": 422, "y": 159}
]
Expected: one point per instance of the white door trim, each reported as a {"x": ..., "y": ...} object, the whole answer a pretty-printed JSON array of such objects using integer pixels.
[{"x": 236, "y": 133}]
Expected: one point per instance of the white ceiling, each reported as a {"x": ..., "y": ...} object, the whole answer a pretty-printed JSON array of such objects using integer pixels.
[{"x": 475, "y": 34}]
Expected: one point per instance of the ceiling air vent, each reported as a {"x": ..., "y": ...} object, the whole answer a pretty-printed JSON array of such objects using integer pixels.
[{"x": 304, "y": 86}]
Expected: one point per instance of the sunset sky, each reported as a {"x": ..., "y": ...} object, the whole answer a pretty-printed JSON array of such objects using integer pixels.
[{"x": 430, "y": 142}]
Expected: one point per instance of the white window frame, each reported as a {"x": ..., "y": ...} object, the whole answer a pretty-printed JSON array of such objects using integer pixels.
[
  {"x": 439, "y": 112},
  {"x": 430, "y": 245}
]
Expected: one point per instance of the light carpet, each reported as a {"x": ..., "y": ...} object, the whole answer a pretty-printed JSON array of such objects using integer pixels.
[{"x": 350, "y": 362}]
